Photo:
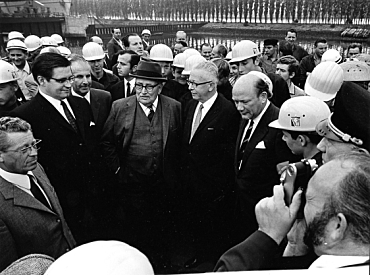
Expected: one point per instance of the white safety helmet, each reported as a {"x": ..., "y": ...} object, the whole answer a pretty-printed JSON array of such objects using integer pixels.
[
  {"x": 146, "y": 31},
  {"x": 33, "y": 42},
  {"x": 57, "y": 38},
  {"x": 50, "y": 49},
  {"x": 191, "y": 62},
  {"x": 356, "y": 71},
  {"x": 363, "y": 57},
  {"x": 161, "y": 52},
  {"x": 325, "y": 81},
  {"x": 16, "y": 44},
  {"x": 243, "y": 50},
  {"x": 331, "y": 55},
  {"x": 92, "y": 51},
  {"x": 301, "y": 114},
  {"x": 48, "y": 41},
  {"x": 15, "y": 35},
  {"x": 190, "y": 52},
  {"x": 179, "y": 60},
  {"x": 229, "y": 56},
  {"x": 64, "y": 51},
  {"x": 7, "y": 72}
]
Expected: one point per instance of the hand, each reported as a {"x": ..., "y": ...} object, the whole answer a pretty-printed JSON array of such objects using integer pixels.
[
  {"x": 296, "y": 246},
  {"x": 274, "y": 217}
]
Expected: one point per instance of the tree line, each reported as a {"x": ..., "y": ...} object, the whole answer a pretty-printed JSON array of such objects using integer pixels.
[{"x": 257, "y": 11}]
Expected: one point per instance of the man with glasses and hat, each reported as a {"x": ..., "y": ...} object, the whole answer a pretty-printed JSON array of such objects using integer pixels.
[
  {"x": 65, "y": 125},
  {"x": 141, "y": 141},
  {"x": 31, "y": 217}
]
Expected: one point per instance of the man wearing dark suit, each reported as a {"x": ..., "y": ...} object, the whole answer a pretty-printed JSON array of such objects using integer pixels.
[
  {"x": 140, "y": 141},
  {"x": 64, "y": 124},
  {"x": 259, "y": 148},
  {"x": 31, "y": 218},
  {"x": 115, "y": 44},
  {"x": 208, "y": 148}
]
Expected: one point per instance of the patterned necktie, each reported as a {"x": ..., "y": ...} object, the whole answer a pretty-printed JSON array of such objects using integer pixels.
[
  {"x": 197, "y": 121},
  {"x": 245, "y": 141},
  {"x": 36, "y": 192},
  {"x": 128, "y": 90},
  {"x": 69, "y": 116},
  {"x": 151, "y": 113}
]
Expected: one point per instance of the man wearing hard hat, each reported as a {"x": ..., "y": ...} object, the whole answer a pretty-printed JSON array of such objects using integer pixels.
[{"x": 145, "y": 36}]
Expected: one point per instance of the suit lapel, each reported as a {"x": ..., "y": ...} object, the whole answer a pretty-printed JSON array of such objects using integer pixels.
[
  {"x": 243, "y": 123},
  {"x": 78, "y": 112},
  {"x": 129, "y": 116},
  {"x": 189, "y": 119},
  {"x": 165, "y": 118},
  {"x": 95, "y": 105}
]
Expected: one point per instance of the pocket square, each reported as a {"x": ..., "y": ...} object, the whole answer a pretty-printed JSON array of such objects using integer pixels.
[
  {"x": 92, "y": 123},
  {"x": 261, "y": 145},
  {"x": 210, "y": 129}
]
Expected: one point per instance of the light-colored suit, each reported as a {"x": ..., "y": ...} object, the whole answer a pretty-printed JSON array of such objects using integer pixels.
[{"x": 27, "y": 226}]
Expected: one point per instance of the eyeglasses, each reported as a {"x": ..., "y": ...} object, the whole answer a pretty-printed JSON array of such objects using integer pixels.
[
  {"x": 64, "y": 80},
  {"x": 28, "y": 149},
  {"x": 149, "y": 88},
  {"x": 191, "y": 83}
]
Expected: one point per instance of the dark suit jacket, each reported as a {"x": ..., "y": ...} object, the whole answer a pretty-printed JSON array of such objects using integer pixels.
[
  {"x": 118, "y": 91},
  {"x": 118, "y": 130},
  {"x": 113, "y": 47},
  {"x": 64, "y": 154},
  {"x": 101, "y": 103},
  {"x": 257, "y": 174},
  {"x": 207, "y": 162},
  {"x": 27, "y": 226}
]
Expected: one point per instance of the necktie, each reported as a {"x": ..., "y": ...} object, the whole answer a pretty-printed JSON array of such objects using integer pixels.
[
  {"x": 69, "y": 116},
  {"x": 36, "y": 192},
  {"x": 128, "y": 90},
  {"x": 245, "y": 141},
  {"x": 151, "y": 113},
  {"x": 197, "y": 121}
]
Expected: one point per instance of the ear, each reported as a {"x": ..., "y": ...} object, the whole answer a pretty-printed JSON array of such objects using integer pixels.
[
  {"x": 302, "y": 140},
  {"x": 41, "y": 80},
  {"x": 336, "y": 230},
  {"x": 134, "y": 68},
  {"x": 1, "y": 157},
  {"x": 292, "y": 75}
]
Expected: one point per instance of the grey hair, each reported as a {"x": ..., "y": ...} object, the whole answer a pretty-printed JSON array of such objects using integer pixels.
[
  {"x": 209, "y": 68},
  {"x": 11, "y": 125}
]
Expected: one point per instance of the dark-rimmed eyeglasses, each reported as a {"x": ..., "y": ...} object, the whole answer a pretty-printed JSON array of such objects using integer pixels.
[
  {"x": 64, "y": 80},
  {"x": 195, "y": 84},
  {"x": 28, "y": 149},
  {"x": 149, "y": 88}
]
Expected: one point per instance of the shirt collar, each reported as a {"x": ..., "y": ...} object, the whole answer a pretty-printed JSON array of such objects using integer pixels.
[
  {"x": 87, "y": 95},
  {"x": 17, "y": 179},
  {"x": 208, "y": 104},
  {"x": 258, "y": 118},
  {"x": 154, "y": 106},
  {"x": 26, "y": 68},
  {"x": 52, "y": 100}
]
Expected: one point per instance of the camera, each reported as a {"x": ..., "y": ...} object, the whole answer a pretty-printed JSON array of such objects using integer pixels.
[{"x": 295, "y": 176}]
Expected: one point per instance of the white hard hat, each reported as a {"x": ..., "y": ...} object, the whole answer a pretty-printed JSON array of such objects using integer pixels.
[
  {"x": 331, "y": 55},
  {"x": 57, "y": 38},
  {"x": 7, "y": 72},
  {"x": 16, "y": 44},
  {"x": 64, "y": 51},
  {"x": 50, "y": 49},
  {"x": 146, "y": 31},
  {"x": 355, "y": 71},
  {"x": 179, "y": 60},
  {"x": 161, "y": 52},
  {"x": 96, "y": 39},
  {"x": 191, "y": 62},
  {"x": 243, "y": 50},
  {"x": 301, "y": 114},
  {"x": 190, "y": 52},
  {"x": 48, "y": 41},
  {"x": 363, "y": 57},
  {"x": 33, "y": 42},
  {"x": 92, "y": 51},
  {"x": 229, "y": 56},
  {"x": 15, "y": 35},
  {"x": 325, "y": 81}
]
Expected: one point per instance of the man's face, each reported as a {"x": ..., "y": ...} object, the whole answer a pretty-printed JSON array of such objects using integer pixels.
[
  {"x": 206, "y": 52},
  {"x": 270, "y": 50},
  {"x": 7, "y": 92},
  {"x": 201, "y": 92},
  {"x": 178, "y": 48},
  {"x": 144, "y": 96},
  {"x": 96, "y": 66},
  {"x": 117, "y": 34},
  {"x": 59, "y": 86},
  {"x": 82, "y": 74},
  {"x": 123, "y": 64},
  {"x": 283, "y": 71},
  {"x": 16, "y": 160},
  {"x": 321, "y": 48},
  {"x": 293, "y": 144},
  {"x": 136, "y": 44},
  {"x": 18, "y": 58},
  {"x": 145, "y": 36},
  {"x": 176, "y": 72},
  {"x": 245, "y": 66},
  {"x": 234, "y": 70},
  {"x": 353, "y": 51},
  {"x": 319, "y": 190},
  {"x": 165, "y": 68},
  {"x": 331, "y": 148},
  {"x": 181, "y": 37},
  {"x": 291, "y": 37},
  {"x": 214, "y": 53},
  {"x": 246, "y": 100}
]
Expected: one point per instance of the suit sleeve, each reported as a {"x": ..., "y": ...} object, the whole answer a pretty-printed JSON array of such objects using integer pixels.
[
  {"x": 109, "y": 142},
  {"x": 8, "y": 249}
]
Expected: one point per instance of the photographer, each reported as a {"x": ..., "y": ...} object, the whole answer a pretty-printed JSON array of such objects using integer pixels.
[{"x": 336, "y": 214}]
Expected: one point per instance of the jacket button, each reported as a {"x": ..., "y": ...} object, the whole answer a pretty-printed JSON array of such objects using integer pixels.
[{"x": 58, "y": 220}]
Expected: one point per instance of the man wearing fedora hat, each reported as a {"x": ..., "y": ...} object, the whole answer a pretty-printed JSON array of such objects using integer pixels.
[{"x": 140, "y": 142}]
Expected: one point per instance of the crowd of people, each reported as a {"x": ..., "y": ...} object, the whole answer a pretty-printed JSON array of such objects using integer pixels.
[{"x": 178, "y": 153}]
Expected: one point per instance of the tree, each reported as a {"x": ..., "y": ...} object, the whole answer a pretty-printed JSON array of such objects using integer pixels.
[
  {"x": 271, "y": 10},
  {"x": 277, "y": 11}
]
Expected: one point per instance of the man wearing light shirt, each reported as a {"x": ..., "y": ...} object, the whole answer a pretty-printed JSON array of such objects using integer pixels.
[{"x": 31, "y": 218}]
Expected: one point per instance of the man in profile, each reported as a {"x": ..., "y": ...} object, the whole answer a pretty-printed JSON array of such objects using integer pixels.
[{"x": 31, "y": 218}]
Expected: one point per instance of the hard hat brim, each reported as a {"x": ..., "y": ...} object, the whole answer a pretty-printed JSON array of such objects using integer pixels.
[
  {"x": 97, "y": 57},
  {"x": 275, "y": 124},
  {"x": 322, "y": 128},
  {"x": 239, "y": 59},
  {"x": 162, "y": 59}
]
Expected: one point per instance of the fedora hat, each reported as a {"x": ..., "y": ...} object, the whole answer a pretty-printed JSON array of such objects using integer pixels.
[{"x": 149, "y": 70}]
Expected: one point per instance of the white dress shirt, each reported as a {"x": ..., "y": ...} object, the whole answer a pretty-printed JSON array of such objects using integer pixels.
[
  {"x": 206, "y": 106},
  {"x": 57, "y": 105}
]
